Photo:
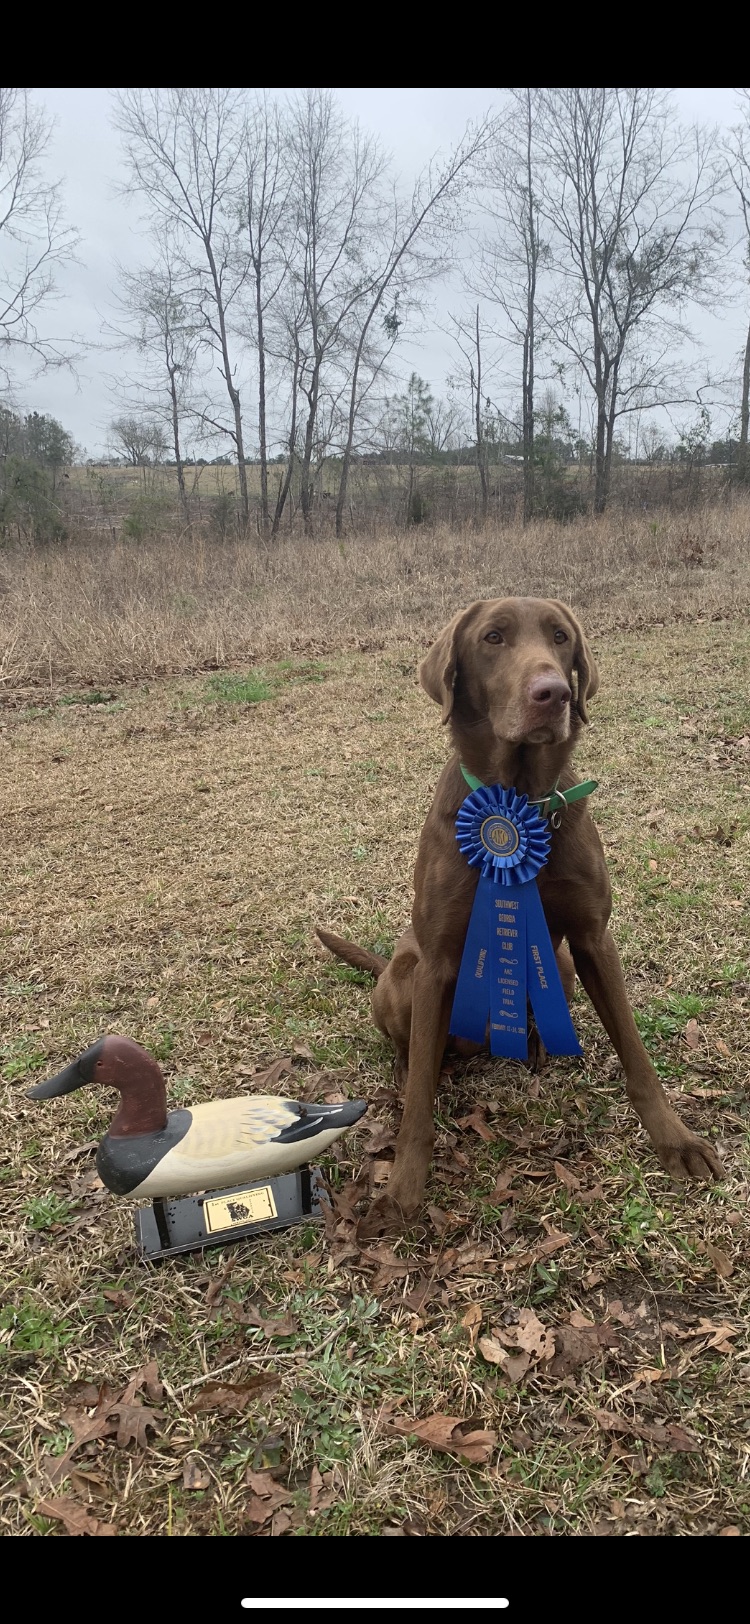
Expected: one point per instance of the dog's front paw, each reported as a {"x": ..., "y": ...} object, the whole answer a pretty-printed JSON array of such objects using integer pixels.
[
  {"x": 384, "y": 1217},
  {"x": 690, "y": 1157}
]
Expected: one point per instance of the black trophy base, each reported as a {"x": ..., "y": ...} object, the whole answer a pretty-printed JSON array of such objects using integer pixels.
[{"x": 220, "y": 1217}]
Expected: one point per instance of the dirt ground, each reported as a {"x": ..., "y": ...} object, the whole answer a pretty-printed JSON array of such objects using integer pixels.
[{"x": 560, "y": 1343}]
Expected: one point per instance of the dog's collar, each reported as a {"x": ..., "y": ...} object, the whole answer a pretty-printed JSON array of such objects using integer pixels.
[{"x": 552, "y": 802}]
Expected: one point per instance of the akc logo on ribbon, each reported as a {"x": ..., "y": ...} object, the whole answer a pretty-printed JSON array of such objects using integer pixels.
[{"x": 508, "y": 956}]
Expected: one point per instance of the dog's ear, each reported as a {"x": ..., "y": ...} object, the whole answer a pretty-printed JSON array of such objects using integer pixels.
[
  {"x": 439, "y": 668},
  {"x": 584, "y": 665}
]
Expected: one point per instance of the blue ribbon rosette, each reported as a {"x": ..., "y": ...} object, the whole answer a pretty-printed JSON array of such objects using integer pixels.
[{"x": 508, "y": 957}]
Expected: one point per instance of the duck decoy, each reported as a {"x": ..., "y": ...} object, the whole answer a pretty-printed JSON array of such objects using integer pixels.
[{"x": 150, "y": 1151}]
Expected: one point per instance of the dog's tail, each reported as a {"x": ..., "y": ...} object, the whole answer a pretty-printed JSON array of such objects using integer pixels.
[{"x": 358, "y": 957}]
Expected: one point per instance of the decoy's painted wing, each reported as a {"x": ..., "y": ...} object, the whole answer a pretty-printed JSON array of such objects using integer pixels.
[
  {"x": 308, "y": 1121},
  {"x": 248, "y": 1138}
]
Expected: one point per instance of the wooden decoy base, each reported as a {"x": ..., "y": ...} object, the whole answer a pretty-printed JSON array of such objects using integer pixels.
[{"x": 220, "y": 1217}]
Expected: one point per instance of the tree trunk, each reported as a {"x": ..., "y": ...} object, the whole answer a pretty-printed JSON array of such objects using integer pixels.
[
  {"x": 231, "y": 391},
  {"x": 600, "y": 457},
  {"x": 527, "y": 404},
  {"x": 264, "y": 514},
  {"x": 184, "y": 504},
  {"x": 481, "y": 461},
  {"x": 347, "y": 457},
  {"x": 743, "y": 461},
  {"x": 288, "y": 471},
  {"x": 305, "y": 490}
]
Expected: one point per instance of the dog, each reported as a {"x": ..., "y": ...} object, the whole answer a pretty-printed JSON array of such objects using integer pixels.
[{"x": 514, "y": 678}]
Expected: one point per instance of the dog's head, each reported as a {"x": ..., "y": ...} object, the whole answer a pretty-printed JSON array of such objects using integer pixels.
[{"x": 521, "y": 664}]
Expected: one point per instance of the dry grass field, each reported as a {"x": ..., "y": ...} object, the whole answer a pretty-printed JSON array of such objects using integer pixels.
[
  {"x": 96, "y": 611},
  {"x": 560, "y": 1344}
]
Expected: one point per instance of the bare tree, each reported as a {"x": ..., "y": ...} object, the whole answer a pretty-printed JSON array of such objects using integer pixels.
[
  {"x": 514, "y": 252},
  {"x": 335, "y": 179},
  {"x": 738, "y": 164},
  {"x": 160, "y": 320},
  {"x": 265, "y": 196},
  {"x": 467, "y": 336},
  {"x": 140, "y": 440},
  {"x": 401, "y": 262},
  {"x": 183, "y": 149},
  {"x": 628, "y": 197},
  {"x": 34, "y": 239}
]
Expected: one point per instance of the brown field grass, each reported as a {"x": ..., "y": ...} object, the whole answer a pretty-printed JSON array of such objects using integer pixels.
[
  {"x": 167, "y": 852},
  {"x": 98, "y": 611}
]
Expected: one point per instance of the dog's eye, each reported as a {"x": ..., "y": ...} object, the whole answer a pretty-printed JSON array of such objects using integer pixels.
[
  {"x": 494, "y": 637},
  {"x": 561, "y": 636}
]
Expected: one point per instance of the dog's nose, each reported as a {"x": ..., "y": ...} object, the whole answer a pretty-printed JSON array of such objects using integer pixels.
[{"x": 549, "y": 691}]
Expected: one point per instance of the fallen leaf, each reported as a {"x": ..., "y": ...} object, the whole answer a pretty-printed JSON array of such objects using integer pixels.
[
  {"x": 722, "y": 1264},
  {"x": 680, "y": 1440},
  {"x": 281, "y": 1523},
  {"x": 322, "y": 1490},
  {"x": 471, "y": 1322},
  {"x": 257, "y": 1510},
  {"x": 440, "y": 1220},
  {"x": 134, "y": 1423},
  {"x": 148, "y": 1377},
  {"x": 381, "y": 1138},
  {"x": 516, "y": 1365},
  {"x": 120, "y": 1299},
  {"x": 444, "y": 1433},
  {"x": 477, "y": 1121},
  {"x": 194, "y": 1474},
  {"x": 731, "y": 1528},
  {"x": 76, "y": 1518},
  {"x": 492, "y": 1350},
  {"x": 579, "y": 1321},
  {"x": 718, "y": 1336},
  {"x": 231, "y": 1396},
  {"x": 553, "y": 1243},
  {"x": 80, "y": 1150},
  {"x": 216, "y": 1286},
  {"x": 533, "y": 1337},
  {"x": 693, "y": 1035},
  {"x": 285, "y": 1326},
  {"x": 268, "y": 1490},
  {"x": 471, "y": 1254},
  {"x": 672, "y": 1436},
  {"x": 419, "y": 1295},
  {"x": 564, "y": 1175},
  {"x": 575, "y": 1347},
  {"x": 272, "y": 1075}
]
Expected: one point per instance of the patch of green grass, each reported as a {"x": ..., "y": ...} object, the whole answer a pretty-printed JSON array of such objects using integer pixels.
[
  {"x": 44, "y": 1211},
  {"x": 163, "y": 1044},
  {"x": 96, "y": 696},
  {"x": 662, "y": 1024},
  {"x": 31, "y": 1329},
  {"x": 20, "y": 1056},
  {"x": 229, "y": 688},
  {"x": 253, "y": 687}
]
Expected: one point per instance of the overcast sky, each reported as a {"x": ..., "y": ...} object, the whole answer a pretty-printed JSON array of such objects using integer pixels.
[{"x": 412, "y": 124}]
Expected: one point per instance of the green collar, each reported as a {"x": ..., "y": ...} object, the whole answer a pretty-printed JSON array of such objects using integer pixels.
[{"x": 556, "y": 799}]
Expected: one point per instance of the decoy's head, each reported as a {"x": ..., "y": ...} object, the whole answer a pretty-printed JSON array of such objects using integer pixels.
[{"x": 122, "y": 1064}]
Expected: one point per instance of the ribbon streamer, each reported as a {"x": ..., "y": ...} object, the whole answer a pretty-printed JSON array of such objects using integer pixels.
[{"x": 508, "y": 956}]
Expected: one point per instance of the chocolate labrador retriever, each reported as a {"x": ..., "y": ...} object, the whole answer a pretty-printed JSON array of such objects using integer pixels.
[{"x": 513, "y": 677}]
